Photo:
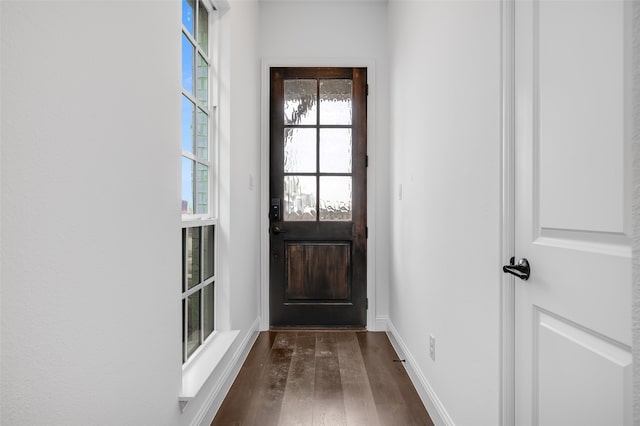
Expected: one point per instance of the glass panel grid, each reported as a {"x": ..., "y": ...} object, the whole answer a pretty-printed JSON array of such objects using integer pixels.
[
  {"x": 202, "y": 189},
  {"x": 192, "y": 256},
  {"x": 300, "y": 198},
  {"x": 188, "y": 166},
  {"x": 188, "y": 116},
  {"x": 188, "y": 8},
  {"x": 188, "y": 53},
  {"x": 318, "y": 154},
  {"x": 208, "y": 252},
  {"x": 202, "y": 80},
  {"x": 193, "y": 323},
  {"x": 335, "y": 151},
  {"x": 300, "y": 150},
  {"x": 202, "y": 135},
  {"x": 300, "y": 102},
  {"x": 198, "y": 242},
  {"x": 203, "y": 26},
  {"x": 208, "y": 310},
  {"x": 335, "y": 101},
  {"x": 198, "y": 293},
  {"x": 335, "y": 198}
]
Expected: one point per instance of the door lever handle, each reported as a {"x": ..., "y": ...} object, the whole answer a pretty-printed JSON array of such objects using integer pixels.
[
  {"x": 522, "y": 270},
  {"x": 276, "y": 230}
]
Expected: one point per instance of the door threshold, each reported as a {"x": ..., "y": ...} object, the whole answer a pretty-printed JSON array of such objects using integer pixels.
[{"x": 317, "y": 328}]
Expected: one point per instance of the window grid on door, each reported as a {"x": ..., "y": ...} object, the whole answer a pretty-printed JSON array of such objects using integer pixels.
[{"x": 318, "y": 150}]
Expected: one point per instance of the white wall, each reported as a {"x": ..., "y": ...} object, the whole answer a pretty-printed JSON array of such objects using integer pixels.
[
  {"x": 90, "y": 171},
  {"x": 341, "y": 33},
  {"x": 445, "y": 149},
  {"x": 245, "y": 164},
  {"x": 635, "y": 73},
  {"x": 90, "y": 213}
]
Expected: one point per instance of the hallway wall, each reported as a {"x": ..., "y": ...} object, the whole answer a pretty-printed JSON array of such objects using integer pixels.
[
  {"x": 90, "y": 196},
  {"x": 445, "y": 148},
  {"x": 90, "y": 213}
]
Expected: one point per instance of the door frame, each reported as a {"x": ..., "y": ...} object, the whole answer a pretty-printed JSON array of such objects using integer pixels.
[
  {"x": 373, "y": 323},
  {"x": 507, "y": 353}
]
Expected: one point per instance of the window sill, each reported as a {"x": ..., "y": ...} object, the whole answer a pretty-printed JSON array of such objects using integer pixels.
[{"x": 197, "y": 370}]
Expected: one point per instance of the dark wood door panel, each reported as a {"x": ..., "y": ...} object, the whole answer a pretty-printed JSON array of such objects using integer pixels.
[
  {"x": 318, "y": 145},
  {"x": 318, "y": 271}
]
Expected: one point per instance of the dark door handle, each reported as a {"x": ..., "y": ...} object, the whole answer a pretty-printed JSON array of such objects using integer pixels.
[
  {"x": 276, "y": 230},
  {"x": 522, "y": 270}
]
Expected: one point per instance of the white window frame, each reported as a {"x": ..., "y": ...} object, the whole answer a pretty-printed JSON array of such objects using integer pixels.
[{"x": 211, "y": 217}]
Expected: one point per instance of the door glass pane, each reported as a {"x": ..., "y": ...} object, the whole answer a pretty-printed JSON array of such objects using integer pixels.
[
  {"x": 187, "y": 64},
  {"x": 202, "y": 135},
  {"x": 335, "y": 198},
  {"x": 188, "y": 111},
  {"x": 335, "y": 150},
  {"x": 193, "y": 323},
  {"x": 187, "y": 185},
  {"x": 299, "y": 150},
  {"x": 187, "y": 14},
  {"x": 208, "y": 314},
  {"x": 202, "y": 80},
  {"x": 202, "y": 189},
  {"x": 191, "y": 249},
  {"x": 300, "y": 102},
  {"x": 335, "y": 101},
  {"x": 208, "y": 252},
  {"x": 299, "y": 198},
  {"x": 203, "y": 27}
]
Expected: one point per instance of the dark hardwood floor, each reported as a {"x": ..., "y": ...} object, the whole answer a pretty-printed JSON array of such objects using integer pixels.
[{"x": 322, "y": 378}]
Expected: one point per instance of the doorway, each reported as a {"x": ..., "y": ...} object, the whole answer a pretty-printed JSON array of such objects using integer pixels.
[{"x": 317, "y": 197}]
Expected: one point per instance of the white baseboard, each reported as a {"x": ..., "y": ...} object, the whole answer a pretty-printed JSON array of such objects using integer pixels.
[
  {"x": 221, "y": 388},
  {"x": 434, "y": 406},
  {"x": 381, "y": 323}
]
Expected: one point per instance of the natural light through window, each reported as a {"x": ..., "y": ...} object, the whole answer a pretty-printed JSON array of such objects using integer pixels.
[{"x": 198, "y": 215}]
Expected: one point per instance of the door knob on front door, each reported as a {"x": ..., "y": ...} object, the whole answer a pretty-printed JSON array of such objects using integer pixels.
[
  {"x": 522, "y": 270},
  {"x": 276, "y": 230}
]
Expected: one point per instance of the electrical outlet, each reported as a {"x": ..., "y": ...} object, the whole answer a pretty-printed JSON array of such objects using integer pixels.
[{"x": 432, "y": 347}]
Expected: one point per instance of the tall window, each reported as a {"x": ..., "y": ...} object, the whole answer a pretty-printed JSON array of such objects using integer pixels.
[{"x": 198, "y": 218}]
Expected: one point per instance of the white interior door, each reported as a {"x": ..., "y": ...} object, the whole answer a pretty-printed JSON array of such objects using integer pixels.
[{"x": 572, "y": 212}]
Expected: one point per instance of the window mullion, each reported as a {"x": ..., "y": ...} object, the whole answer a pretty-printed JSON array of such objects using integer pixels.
[
  {"x": 197, "y": 103},
  {"x": 192, "y": 156}
]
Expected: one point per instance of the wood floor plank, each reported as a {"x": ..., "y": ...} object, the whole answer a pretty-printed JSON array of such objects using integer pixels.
[
  {"x": 271, "y": 383},
  {"x": 407, "y": 390},
  {"x": 359, "y": 404},
  {"x": 322, "y": 378},
  {"x": 394, "y": 402},
  {"x": 241, "y": 401},
  {"x": 328, "y": 404},
  {"x": 297, "y": 404}
]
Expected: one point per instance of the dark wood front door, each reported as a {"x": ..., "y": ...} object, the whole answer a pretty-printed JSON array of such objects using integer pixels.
[{"x": 318, "y": 215}]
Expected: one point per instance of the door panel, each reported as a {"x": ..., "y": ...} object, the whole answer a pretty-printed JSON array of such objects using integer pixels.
[
  {"x": 588, "y": 367},
  {"x": 318, "y": 197},
  {"x": 573, "y": 316},
  {"x": 318, "y": 271}
]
